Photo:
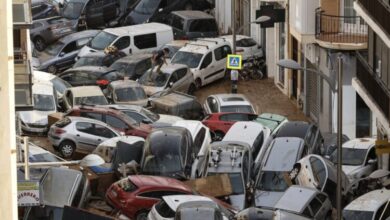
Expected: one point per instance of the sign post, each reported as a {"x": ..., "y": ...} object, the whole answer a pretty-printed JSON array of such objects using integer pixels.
[{"x": 234, "y": 63}]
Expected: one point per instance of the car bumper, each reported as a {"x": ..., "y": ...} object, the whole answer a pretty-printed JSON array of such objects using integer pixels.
[
  {"x": 54, "y": 140},
  {"x": 34, "y": 129}
]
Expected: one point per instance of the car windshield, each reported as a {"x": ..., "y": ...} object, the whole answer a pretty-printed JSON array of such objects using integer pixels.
[
  {"x": 89, "y": 61},
  {"x": 102, "y": 40},
  {"x": 154, "y": 79},
  {"x": 60, "y": 85},
  {"x": 351, "y": 156},
  {"x": 153, "y": 116},
  {"x": 54, "y": 49},
  {"x": 72, "y": 10},
  {"x": 44, "y": 102},
  {"x": 237, "y": 108},
  {"x": 357, "y": 215},
  {"x": 92, "y": 100},
  {"x": 123, "y": 67},
  {"x": 129, "y": 94},
  {"x": 192, "y": 60},
  {"x": 272, "y": 181},
  {"x": 147, "y": 7}
]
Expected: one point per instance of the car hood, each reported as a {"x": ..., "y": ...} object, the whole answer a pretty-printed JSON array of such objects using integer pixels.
[
  {"x": 169, "y": 119},
  {"x": 349, "y": 169},
  {"x": 142, "y": 102},
  {"x": 150, "y": 90},
  {"x": 267, "y": 199},
  {"x": 34, "y": 117},
  {"x": 237, "y": 201}
]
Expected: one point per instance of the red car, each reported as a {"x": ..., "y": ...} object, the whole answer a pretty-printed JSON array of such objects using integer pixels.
[
  {"x": 135, "y": 195},
  {"x": 115, "y": 118},
  {"x": 220, "y": 123}
]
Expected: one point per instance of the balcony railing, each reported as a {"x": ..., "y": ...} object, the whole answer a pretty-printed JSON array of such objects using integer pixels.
[
  {"x": 379, "y": 10},
  {"x": 373, "y": 85},
  {"x": 340, "y": 29}
]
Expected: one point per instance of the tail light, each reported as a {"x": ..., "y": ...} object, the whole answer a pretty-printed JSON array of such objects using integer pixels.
[
  {"x": 102, "y": 82},
  {"x": 59, "y": 131}
]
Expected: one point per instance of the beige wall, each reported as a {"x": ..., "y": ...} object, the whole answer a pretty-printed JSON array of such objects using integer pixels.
[
  {"x": 8, "y": 208},
  {"x": 331, "y": 7}
]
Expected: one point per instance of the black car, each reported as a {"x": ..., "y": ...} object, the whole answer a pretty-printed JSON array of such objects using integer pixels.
[
  {"x": 133, "y": 66},
  {"x": 42, "y": 9},
  {"x": 158, "y": 10},
  {"x": 168, "y": 152},
  {"x": 188, "y": 25},
  {"x": 90, "y": 75},
  {"x": 306, "y": 131}
]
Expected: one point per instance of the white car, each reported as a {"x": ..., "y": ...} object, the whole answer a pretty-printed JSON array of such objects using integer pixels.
[
  {"x": 83, "y": 95},
  {"x": 359, "y": 158},
  {"x": 206, "y": 57},
  {"x": 228, "y": 103},
  {"x": 202, "y": 141},
  {"x": 246, "y": 46},
  {"x": 59, "y": 84},
  {"x": 44, "y": 104},
  {"x": 167, "y": 207}
]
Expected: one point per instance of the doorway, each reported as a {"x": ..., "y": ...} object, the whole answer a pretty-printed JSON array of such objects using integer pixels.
[
  {"x": 295, "y": 72},
  {"x": 363, "y": 118}
]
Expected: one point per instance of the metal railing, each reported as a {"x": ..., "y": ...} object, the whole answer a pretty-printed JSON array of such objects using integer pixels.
[
  {"x": 373, "y": 84},
  {"x": 379, "y": 10},
  {"x": 340, "y": 29}
]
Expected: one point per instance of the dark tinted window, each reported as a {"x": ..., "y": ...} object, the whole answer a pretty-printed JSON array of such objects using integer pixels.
[
  {"x": 207, "y": 60},
  {"x": 222, "y": 52},
  {"x": 92, "y": 115},
  {"x": 122, "y": 43},
  {"x": 319, "y": 170},
  {"x": 70, "y": 47},
  {"x": 134, "y": 115},
  {"x": 160, "y": 194},
  {"x": 315, "y": 206},
  {"x": 177, "y": 22},
  {"x": 234, "y": 117},
  {"x": 248, "y": 42},
  {"x": 203, "y": 25},
  {"x": 85, "y": 127},
  {"x": 198, "y": 141},
  {"x": 321, "y": 197},
  {"x": 245, "y": 166},
  {"x": 103, "y": 131},
  {"x": 116, "y": 122},
  {"x": 257, "y": 144},
  {"x": 181, "y": 73},
  {"x": 306, "y": 212},
  {"x": 145, "y": 41},
  {"x": 212, "y": 103},
  {"x": 164, "y": 210}
]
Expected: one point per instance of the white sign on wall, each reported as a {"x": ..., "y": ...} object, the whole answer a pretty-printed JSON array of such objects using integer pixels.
[{"x": 28, "y": 193}]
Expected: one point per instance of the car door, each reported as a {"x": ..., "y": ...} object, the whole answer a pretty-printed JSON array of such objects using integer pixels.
[
  {"x": 183, "y": 80},
  {"x": 86, "y": 136},
  {"x": 206, "y": 69},
  {"x": 220, "y": 56},
  {"x": 66, "y": 58}
]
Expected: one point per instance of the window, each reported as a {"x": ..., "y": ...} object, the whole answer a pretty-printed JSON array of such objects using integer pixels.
[
  {"x": 257, "y": 144},
  {"x": 349, "y": 12},
  {"x": 246, "y": 42},
  {"x": 181, "y": 73},
  {"x": 116, "y": 122},
  {"x": 160, "y": 194},
  {"x": 177, "y": 22},
  {"x": 306, "y": 212},
  {"x": 122, "y": 43},
  {"x": 85, "y": 127},
  {"x": 173, "y": 78},
  {"x": 319, "y": 171},
  {"x": 199, "y": 139},
  {"x": 315, "y": 206},
  {"x": 70, "y": 47},
  {"x": 164, "y": 210},
  {"x": 207, "y": 60},
  {"x": 381, "y": 210},
  {"x": 92, "y": 115},
  {"x": 145, "y": 41},
  {"x": 212, "y": 103},
  {"x": 68, "y": 77},
  {"x": 245, "y": 166},
  {"x": 103, "y": 131},
  {"x": 233, "y": 117},
  {"x": 222, "y": 52},
  {"x": 203, "y": 25}
]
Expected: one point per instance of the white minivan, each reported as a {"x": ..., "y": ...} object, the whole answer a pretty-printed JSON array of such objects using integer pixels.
[{"x": 131, "y": 39}]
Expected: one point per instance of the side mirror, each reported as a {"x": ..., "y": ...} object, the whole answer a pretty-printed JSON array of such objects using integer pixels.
[
  {"x": 372, "y": 161},
  {"x": 62, "y": 54}
]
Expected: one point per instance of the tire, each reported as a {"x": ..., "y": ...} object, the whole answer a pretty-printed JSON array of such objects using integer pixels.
[
  {"x": 257, "y": 74},
  {"x": 198, "y": 83},
  {"x": 191, "y": 89},
  {"x": 39, "y": 43},
  {"x": 142, "y": 215},
  {"x": 52, "y": 69},
  {"x": 67, "y": 149}
]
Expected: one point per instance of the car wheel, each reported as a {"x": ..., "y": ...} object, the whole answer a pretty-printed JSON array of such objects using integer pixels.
[
  {"x": 191, "y": 89},
  {"x": 67, "y": 149},
  {"x": 142, "y": 215},
  {"x": 52, "y": 69},
  {"x": 198, "y": 83},
  {"x": 39, "y": 43}
]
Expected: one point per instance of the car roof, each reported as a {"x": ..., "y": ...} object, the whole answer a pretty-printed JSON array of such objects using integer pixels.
[
  {"x": 283, "y": 154},
  {"x": 43, "y": 88},
  {"x": 231, "y": 99},
  {"x": 82, "y": 91},
  {"x": 91, "y": 69},
  {"x": 246, "y": 131},
  {"x": 112, "y": 142},
  {"x": 302, "y": 194},
  {"x": 43, "y": 75},
  {"x": 370, "y": 201},
  {"x": 134, "y": 58},
  {"x": 293, "y": 129},
  {"x": 187, "y": 14},
  {"x": 158, "y": 181},
  {"x": 90, "y": 120},
  {"x": 139, "y": 29},
  {"x": 172, "y": 67},
  {"x": 176, "y": 43},
  {"x": 360, "y": 143},
  {"x": 204, "y": 45},
  {"x": 78, "y": 35},
  {"x": 191, "y": 125},
  {"x": 125, "y": 84},
  {"x": 174, "y": 201}
]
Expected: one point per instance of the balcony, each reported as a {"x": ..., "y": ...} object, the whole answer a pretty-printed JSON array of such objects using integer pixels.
[
  {"x": 373, "y": 86},
  {"x": 340, "y": 32},
  {"x": 379, "y": 11}
]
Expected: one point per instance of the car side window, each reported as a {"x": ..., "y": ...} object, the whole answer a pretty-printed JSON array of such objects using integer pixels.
[
  {"x": 70, "y": 47},
  {"x": 257, "y": 144},
  {"x": 202, "y": 25},
  {"x": 319, "y": 170},
  {"x": 177, "y": 22},
  {"x": 116, "y": 122},
  {"x": 181, "y": 73},
  {"x": 371, "y": 154},
  {"x": 233, "y": 117},
  {"x": 207, "y": 60},
  {"x": 68, "y": 77},
  {"x": 159, "y": 194},
  {"x": 222, "y": 52},
  {"x": 321, "y": 197},
  {"x": 92, "y": 115},
  {"x": 122, "y": 43},
  {"x": 212, "y": 103},
  {"x": 307, "y": 212},
  {"x": 315, "y": 206},
  {"x": 145, "y": 41},
  {"x": 199, "y": 139},
  {"x": 173, "y": 78},
  {"x": 85, "y": 127},
  {"x": 100, "y": 130}
]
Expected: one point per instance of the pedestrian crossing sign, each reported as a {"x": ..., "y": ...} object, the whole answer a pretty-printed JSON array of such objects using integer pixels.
[{"x": 234, "y": 62}]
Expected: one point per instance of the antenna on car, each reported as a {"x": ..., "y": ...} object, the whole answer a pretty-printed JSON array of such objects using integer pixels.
[{"x": 217, "y": 157}]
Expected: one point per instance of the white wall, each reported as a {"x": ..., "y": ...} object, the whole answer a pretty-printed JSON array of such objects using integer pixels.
[
  {"x": 302, "y": 15},
  {"x": 223, "y": 15}
]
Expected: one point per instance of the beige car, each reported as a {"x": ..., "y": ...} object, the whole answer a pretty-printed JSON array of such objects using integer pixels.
[{"x": 83, "y": 95}]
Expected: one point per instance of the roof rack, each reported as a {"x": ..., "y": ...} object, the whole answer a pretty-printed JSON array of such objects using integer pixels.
[
  {"x": 217, "y": 159},
  {"x": 197, "y": 45},
  {"x": 210, "y": 40}
]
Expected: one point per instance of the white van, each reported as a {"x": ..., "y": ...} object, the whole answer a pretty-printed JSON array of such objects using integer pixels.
[
  {"x": 206, "y": 57},
  {"x": 131, "y": 39}
]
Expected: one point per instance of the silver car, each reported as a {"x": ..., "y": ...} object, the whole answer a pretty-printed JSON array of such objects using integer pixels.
[
  {"x": 46, "y": 31},
  {"x": 126, "y": 92},
  {"x": 172, "y": 77},
  {"x": 77, "y": 133}
]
